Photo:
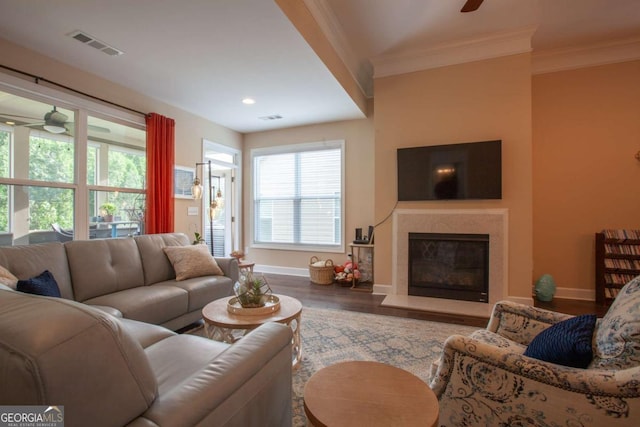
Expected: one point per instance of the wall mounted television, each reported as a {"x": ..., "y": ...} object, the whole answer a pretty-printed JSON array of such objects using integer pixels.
[{"x": 470, "y": 170}]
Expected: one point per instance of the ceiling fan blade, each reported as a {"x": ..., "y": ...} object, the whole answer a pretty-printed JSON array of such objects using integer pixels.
[
  {"x": 471, "y": 5},
  {"x": 94, "y": 128},
  {"x": 19, "y": 116}
]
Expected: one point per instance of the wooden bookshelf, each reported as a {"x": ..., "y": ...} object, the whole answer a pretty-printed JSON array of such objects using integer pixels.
[{"x": 617, "y": 262}]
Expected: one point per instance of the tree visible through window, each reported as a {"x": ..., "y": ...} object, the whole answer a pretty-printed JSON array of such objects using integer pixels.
[
  {"x": 39, "y": 171},
  {"x": 298, "y": 195}
]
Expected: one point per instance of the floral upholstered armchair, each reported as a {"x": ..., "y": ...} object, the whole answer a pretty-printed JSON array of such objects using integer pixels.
[{"x": 486, "y": 380}]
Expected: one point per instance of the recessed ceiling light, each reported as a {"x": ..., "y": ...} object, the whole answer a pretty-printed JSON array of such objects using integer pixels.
[
  {"x": 248, "y": 101},
  {"x": 10, "y": 123}
]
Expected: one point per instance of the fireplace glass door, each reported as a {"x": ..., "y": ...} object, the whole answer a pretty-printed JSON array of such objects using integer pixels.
[{"x": 452, "y": 266}]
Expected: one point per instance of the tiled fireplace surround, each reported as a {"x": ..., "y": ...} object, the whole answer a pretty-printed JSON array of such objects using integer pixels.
[{"x": 493, "y": 222}]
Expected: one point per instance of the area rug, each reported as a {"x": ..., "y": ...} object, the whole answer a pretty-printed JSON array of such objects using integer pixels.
[{"x": 333, "y": 336}]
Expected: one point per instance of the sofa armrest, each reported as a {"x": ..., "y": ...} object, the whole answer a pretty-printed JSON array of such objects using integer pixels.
[
  {"x": 247, "y": 384},
  {"x": 230, "y": 268},
  {"x": 521, "y": 323},
  {"x": 493, "y": 385}
]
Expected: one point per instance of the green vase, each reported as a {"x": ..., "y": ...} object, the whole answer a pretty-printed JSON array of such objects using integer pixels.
[{"x": 545, "y": 288}]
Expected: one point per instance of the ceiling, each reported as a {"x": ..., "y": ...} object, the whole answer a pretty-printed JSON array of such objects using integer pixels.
[{"x": 205, "y": 56}]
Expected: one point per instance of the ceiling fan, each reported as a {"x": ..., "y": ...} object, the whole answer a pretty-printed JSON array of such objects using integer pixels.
[
  {"x": 471, "y": 5},
  {"x": 55, "y": 122}
]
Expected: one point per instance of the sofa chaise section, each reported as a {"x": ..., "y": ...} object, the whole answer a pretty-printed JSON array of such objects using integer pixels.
[{"x": 109, "y": 371}]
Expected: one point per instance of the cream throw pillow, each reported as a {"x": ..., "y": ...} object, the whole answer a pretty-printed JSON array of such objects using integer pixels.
[
  {"x": 192, "y": 261},
  {"x": 7, "y": 279}
]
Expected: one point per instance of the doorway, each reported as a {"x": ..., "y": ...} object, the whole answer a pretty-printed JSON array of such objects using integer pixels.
[{"x": 221, "y": 223}]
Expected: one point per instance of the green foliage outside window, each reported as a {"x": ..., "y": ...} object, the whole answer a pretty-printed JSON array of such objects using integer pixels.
[
  {"x": 50, "y": 160},
  {"x": 4, "y": 172},
  {"x": 127, "y": 169}
]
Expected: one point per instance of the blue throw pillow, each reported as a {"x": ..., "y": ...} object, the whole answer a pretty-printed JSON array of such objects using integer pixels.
[
  {"x": 566, "y": 343},
  {"x": 43, "y": 284}
]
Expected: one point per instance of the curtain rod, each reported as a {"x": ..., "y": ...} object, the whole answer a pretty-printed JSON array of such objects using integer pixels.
[{"x": 38, "y": 79}]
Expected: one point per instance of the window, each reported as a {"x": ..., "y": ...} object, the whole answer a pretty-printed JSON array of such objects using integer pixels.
[
  {"x": 5, "y": 161},
  {"x": 43, "y": 183},
  {"x": 297, "y": 196}
]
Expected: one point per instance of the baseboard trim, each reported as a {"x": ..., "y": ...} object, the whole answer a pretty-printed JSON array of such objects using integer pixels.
[
  {"x": 577, "y": 294},
  {"x": 288, "y": 271},
  {"x": 381, "y": 289}
]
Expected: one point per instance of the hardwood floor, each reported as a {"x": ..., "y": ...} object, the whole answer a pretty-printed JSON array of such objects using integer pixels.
[{"x": 339, "y": 297}]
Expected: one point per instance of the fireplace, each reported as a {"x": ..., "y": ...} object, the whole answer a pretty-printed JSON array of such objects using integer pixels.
[
  {"x": 492, "y": 222},
  {"x": 449, "y": 265}
]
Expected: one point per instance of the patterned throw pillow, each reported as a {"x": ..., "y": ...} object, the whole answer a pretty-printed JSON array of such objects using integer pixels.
[
  {"x": 566, "y": 343},
  {"x": 6, "y": 278},
  {"x": 192, "y": 261},
  {"x": 44, "y": 284},
  {"x": 617, "y": 343}
]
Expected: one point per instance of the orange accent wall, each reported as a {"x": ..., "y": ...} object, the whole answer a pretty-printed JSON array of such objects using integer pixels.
[
  {"x": 586, "y": 131},
  {"x": 477, "y": 101}
]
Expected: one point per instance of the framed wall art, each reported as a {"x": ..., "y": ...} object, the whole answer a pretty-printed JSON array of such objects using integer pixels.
[{"x": 182, "y": 181}]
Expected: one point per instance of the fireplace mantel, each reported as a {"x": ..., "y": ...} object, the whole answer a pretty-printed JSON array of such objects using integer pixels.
[{"x": 493, "y": 222}]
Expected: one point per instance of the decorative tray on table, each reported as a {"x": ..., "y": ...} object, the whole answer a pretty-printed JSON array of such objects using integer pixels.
[{"x": 271, "y": 305}]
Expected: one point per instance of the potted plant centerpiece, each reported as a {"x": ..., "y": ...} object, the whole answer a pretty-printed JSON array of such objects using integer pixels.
[
  {"x": 252, "y": 291},
  {"x": 107, "y": 210}
]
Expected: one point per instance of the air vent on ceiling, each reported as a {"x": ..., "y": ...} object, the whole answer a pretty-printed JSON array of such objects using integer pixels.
[
  {"x": 272, "y": 117},
  {"x": 89, "y": 40}
]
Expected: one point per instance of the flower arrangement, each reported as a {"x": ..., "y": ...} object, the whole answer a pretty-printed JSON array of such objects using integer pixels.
[
  {"x": 237, "y": 255},
  {"x": 346, "y": 272}
]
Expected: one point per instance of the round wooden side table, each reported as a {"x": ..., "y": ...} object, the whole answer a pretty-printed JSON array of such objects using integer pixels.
[
  {"x": 360, "y": 393},
  {"x": 221, "y": 325}
]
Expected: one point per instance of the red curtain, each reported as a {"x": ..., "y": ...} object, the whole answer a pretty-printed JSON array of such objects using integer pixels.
[{"x": 160, "y": 159}]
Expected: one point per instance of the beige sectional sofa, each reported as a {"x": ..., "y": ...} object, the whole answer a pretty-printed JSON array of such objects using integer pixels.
[
  {"x": 99, "y": 353},
  {"x": 128, "y": 277},
  {"x": 109, "y": 371}
]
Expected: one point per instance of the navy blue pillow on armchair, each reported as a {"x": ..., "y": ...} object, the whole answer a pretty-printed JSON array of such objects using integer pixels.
[
  {"x": 566, "y": 343},
  {"x": 44, "y": 284}
]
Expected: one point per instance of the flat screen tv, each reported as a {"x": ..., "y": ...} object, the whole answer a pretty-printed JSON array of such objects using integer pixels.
[{"x": 456, "y": 171}]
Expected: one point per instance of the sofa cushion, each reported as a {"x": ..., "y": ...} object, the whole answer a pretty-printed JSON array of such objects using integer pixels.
[
  {"x": 101, "y": 267},
  {"x": 55, "y": 350},
  {"x": 30, "y": 260},
  {"x": 192, "y": 261},
  {"x": 152, "y": 304},
  {"x": 617, "y": 344},
  {"x": 565, "y": 343},
  {"x": 203, "y": 290},
  {"x": 7, "y": 278},
  {"x": 193, "y": 352},
  {"x": 155, "y": 263},
  {"x": 145, "y": 334},
  {"x": 43, "y": 284}
]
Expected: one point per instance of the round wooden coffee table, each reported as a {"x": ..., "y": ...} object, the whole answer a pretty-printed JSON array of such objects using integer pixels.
[
  {"x": 362, "y": 393},
  {"x": 221, "y": 325}
]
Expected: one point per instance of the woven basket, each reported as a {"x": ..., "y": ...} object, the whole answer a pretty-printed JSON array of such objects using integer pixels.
[{"x": 321, "y": 275}]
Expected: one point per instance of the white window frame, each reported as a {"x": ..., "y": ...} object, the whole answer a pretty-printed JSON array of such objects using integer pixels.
[
  {"x": 83, "y": 108},
  {"x": 297, "y": 148}
]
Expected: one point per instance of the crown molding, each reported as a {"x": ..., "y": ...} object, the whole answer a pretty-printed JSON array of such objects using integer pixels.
[
  {"x": 361, "y": 71},
  {"x": 476, "y": 49},
  {"x": 586, "y": 56}
]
